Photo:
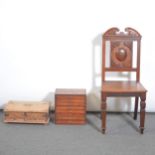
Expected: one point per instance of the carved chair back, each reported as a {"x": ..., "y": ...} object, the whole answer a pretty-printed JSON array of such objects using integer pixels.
[{"x": 122, "y": 46}]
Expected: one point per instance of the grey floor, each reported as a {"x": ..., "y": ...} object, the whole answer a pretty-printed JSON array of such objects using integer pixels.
[{"x": 122, "y": 137}]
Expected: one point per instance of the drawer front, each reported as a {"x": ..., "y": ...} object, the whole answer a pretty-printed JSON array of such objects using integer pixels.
[
  {"x": 74, "y": 104},
  {"x": 70, "y": 121},
  {"x": 70, "y": 100},
  {"x": 70, "y": 109},
  {"x": 72, "y": 97},
  {"x": 73, "y": 118},
  {"x": 71, "y": 112},
  {"x": 70, "y": 116}
]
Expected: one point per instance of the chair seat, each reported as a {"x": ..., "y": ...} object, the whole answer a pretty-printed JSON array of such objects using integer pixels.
[{"x": 122, "y": 87}]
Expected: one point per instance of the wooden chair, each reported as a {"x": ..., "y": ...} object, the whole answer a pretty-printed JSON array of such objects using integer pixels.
[{"x": 121, "y": 48}]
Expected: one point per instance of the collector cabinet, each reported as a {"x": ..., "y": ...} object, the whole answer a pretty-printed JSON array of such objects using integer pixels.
[{"x": 70, "y": 106}]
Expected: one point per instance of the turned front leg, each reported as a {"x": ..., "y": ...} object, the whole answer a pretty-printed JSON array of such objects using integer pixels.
[
  {"x": 142, "y": 112},
  {"x": 103, "y": 112}
]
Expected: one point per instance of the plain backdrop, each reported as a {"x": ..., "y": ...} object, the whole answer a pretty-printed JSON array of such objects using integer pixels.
[{"x": 49, "y": 44}]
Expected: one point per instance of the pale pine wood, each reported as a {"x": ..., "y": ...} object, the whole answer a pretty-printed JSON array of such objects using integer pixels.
[
  {"x": 26, "y": 112},
  {"x": 26, "y": 106}
]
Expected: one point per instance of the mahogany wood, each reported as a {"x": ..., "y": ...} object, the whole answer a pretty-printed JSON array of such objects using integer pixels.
[
  {"x": 121, "y": 57},
  {"x": 136, "y": 107},
  {"x": 70, "y": 106}
]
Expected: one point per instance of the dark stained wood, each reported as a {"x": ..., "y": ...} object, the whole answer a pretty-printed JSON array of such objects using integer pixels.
[
  {"x": 68, "y": 121},
  {"x": 142, "y": 112},
  {"x": 103, "y": 113},
  {"x": 136, "y": 108},
  {"x": 70, "y": 106},
  {"x": 121, "y": 54},
  {"x": 120, "y": 70},
  {"x": 121, "y": 57},
  {"x": 122, "y": 87}
]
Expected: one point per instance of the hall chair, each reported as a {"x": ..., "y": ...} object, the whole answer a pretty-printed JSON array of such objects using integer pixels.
[{"x": 122, "y": 47}]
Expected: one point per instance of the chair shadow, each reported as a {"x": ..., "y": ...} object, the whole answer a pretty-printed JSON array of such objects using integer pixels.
[
  {"x": 92, "y": 124},
  {"x": 127, "y": 117},
  {"x": 50, "y": 97}
]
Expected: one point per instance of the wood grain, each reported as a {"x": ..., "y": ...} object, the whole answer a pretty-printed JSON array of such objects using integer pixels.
[
  {"x": 121, "y": 58},
  {"x": 70, "y": 106},
  {"x": 26, "y": 112}
]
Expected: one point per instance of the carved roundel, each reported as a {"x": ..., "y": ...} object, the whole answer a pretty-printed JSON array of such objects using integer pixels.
[{"x": 121, "y": 56}]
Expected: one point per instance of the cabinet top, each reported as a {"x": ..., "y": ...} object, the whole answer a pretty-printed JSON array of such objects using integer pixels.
[{"x": 70, "y": 92}]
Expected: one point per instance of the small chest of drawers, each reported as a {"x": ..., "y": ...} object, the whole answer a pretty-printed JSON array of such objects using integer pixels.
[{"x": 70, "y": 106}]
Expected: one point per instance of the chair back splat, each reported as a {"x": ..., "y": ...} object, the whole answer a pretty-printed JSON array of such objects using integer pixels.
[{"x": 121, "y": 46}]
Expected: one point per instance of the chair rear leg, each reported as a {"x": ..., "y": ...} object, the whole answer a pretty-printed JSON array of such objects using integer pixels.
[
  {"x": 103, "y": 113},
  {"x": 136, "y": 108},
  {"x": 142, "y": 112}
]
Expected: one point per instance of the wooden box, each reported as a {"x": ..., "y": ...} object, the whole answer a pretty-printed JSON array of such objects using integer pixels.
[
  {"x": 70, "y": 106},
  {"x": 26, "y": 112}
]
